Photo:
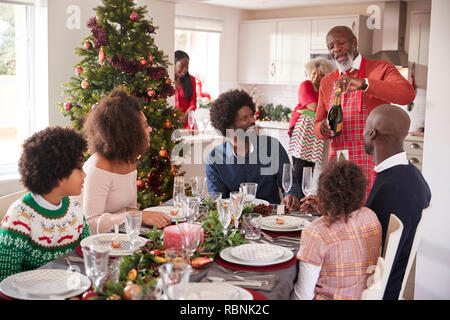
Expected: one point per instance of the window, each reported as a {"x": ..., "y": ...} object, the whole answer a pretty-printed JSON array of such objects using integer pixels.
[
  {"x": 200, "y": 39},
  {"x": 17, "y": 90}
]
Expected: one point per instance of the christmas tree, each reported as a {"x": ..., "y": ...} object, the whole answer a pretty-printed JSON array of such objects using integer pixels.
[{"x": 120, "y": 52}]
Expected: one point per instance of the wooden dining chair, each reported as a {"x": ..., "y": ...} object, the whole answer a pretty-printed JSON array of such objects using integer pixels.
[
  {"x": 7, "y": 200},
  {"x": 415, "y": 245},
  {"x": 393, "y": 235}
]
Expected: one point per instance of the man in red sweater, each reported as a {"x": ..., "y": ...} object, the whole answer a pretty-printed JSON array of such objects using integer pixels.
[{"x": 365, "y": 85}]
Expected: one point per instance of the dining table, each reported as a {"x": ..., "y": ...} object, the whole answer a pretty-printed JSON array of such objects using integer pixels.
[{"x": 283, "y": 277}]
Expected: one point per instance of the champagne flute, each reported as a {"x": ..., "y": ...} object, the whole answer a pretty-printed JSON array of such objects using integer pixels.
[
  {"x": 191, "y": 119},
  {"x": 307, "y": 181},
  {"x": 287, "y": 177},
  {"x": 237, "y": 203},
  {"x": 224, "y": 209}
]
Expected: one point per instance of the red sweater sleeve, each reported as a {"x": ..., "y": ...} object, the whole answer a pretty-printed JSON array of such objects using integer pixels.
[
  {"x": 391, "y": 86},
  {"x": 321, "y": 111},
  {"x": 306, "y": 94}
]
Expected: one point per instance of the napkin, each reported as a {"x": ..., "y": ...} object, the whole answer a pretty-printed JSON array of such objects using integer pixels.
[{"x": 271, "y": 278}]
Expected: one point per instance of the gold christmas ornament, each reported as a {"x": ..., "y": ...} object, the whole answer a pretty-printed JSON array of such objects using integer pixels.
[
  {"x": 85, "y": 84},
  {"x": 101, "y": 56}
]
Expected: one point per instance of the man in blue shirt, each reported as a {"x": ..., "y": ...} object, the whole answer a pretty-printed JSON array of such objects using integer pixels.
[{"x": 245, "y": 156}]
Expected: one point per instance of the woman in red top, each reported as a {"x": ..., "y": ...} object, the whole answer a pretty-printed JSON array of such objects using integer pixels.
[
  {"x": 185, "y": 93},
  {"x": 304, "y": 147}
]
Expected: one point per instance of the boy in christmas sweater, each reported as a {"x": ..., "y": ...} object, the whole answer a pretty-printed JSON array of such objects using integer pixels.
[{"x": 47, "y": 222}]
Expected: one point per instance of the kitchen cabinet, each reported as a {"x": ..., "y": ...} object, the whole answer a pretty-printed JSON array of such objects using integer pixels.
[
  {"x": 273, "y": 52},
  {"x": 419, "y": 38},
  {"x": 321, "y": 26},
  {"x": 414, "y": 150}
]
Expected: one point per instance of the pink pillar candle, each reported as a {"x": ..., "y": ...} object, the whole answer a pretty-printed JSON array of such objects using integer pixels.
[{"x": 172, "y": 238}]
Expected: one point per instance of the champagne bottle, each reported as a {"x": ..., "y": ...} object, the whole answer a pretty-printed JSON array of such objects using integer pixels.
[{"x": 335, "y": 116}]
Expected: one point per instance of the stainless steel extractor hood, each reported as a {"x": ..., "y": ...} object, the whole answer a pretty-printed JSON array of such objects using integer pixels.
[{"x": 389, "y": 42}]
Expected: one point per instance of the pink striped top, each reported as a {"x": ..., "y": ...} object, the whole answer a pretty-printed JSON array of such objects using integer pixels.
[
  {"x": 106, "y": 195},
  {"x": 344, "y": 251}
]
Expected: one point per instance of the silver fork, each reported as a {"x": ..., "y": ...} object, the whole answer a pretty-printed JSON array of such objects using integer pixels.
[{"x": 282, "y": 238}]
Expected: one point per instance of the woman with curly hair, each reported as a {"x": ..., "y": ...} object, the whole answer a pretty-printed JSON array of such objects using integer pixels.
[
  {"x": 118, "y": 133},
  {"x": 337, "y": 248},
  {"x": 47, "y": 222},
  {"x": 185, "y": 93},
  {"x": 245, "y": 157}
]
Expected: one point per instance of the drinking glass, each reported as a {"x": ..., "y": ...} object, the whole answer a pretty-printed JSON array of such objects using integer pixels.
[
  {"x": 190, "y": 208},
  {"x": 175, "y": 280},
  {"x": 307, "y": 181},
  {"x": 178, "y": 192},
  {"x": 175, "y": 256},
  {"x": 225, "y": 213},
  {"x": 96, "y": 259},
  {"x": 198, "y": 186},
  {"x": 237, "y": 204},
  {"x": 214, "y": 196},
  {"x": 133, "y": 224},
  {"x": 191, "y": 119},
  {"x": 252, "y": 226},
  {"x": 287, "y": 177},
  {"x": 190, "y": 238},
  {"x": 249, "y": 188}
]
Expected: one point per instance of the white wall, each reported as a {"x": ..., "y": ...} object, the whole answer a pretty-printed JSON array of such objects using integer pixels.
[
  {"x": 229, "y": 37},
  {"x": 433, "y": 258},
  {"x": 61, "y": 55}
]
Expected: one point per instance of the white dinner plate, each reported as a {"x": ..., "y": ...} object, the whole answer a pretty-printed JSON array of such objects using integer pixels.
[
  {"x": 226, "y": 255},
  {"x": 168, "y": 210},
  {"x": 257, "y": 252},
  {"x": 290, "y": 223},
  {"x": 261, "y": 201},
  {"x": 216, "y": 291},
  {"x": 36, "y": 285},
  {"x": 105, "y": 239}
]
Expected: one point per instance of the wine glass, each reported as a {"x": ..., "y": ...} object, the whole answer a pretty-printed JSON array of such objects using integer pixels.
[
  {"x": 198, "y": 184},
  {"x": 175, "y": 280},
  {"x": 191, "y": 119},
  {"x": 307, "y": 181},
  {"x": 190, "y": 238},
  {"x": 96, "y": 260},
  {"x": 237, "y": 203},
  {"x": 225, "y": 213},
  {"x": 190, "y": 208},
  {"x": 133, "y": 224},
  {"x": 287, "y": 177}
]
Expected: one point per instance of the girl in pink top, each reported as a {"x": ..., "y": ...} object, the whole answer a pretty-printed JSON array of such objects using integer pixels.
[
  {"x": 336, "y": 249},
  {"x": 118, "y": 133}
]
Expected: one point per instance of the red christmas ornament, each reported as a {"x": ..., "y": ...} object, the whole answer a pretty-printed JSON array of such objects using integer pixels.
[
  {"x": 67, "y": 106},
  {"x": 101, "y": 56},
  {"x": 89, "y": 294},
  {"x": 163, "y": 153},
  {"x": 168, "y": 124},
  {"x": 134, "y": 16},
  {"x": 78, "y": 70},
  {"x": 143, "y": 62},
  {"x": 151, "y": 29},
  {"x": 139, "y": 183},
  {"x": 85, "y": 84},
  {"x": 151, "y": 93},
  {"x": 88, "y": 45}
]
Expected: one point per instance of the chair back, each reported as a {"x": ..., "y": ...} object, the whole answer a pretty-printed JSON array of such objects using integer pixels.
[
  {"x": 376, "y": 282},
  {"x": 415, "y": 245},
  {"x": 7, "y": 200},
  {"x": 378, "y": 286}
]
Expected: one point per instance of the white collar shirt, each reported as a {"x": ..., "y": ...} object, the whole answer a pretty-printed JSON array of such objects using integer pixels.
[{"x": 395, "y": 160}]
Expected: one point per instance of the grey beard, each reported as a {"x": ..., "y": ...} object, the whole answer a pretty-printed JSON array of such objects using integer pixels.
[{"x": 345, "y": 66}]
